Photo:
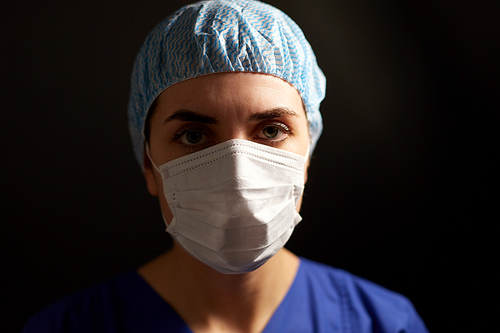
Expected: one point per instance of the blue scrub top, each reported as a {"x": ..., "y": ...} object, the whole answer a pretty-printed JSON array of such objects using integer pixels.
[{"x": 321, "y": 299}]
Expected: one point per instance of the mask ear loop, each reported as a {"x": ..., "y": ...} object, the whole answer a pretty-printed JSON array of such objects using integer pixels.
[
  {"x": 148, "y": 154},
  {"x": 167, "y": 225}
]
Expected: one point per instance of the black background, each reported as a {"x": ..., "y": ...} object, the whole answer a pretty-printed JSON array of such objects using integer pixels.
[{"x": 399, "y": 187}]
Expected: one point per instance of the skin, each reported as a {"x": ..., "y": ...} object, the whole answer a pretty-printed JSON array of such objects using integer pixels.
[{"x": 196, "y": 114}]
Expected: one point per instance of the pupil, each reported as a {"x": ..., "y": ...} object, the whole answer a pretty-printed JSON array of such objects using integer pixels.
[
  {"x": 270, "y": 132},
  {"x": 193, "y": 136}
]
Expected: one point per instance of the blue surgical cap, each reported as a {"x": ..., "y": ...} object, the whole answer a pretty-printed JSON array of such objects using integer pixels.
[{"x": 223, "y": 36}]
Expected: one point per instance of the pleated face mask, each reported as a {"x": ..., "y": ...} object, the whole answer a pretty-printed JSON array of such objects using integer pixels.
[{"x": 233, "y": 204}]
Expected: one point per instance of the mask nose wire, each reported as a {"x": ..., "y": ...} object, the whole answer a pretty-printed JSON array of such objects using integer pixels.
[{"x": 148, "y": 154}]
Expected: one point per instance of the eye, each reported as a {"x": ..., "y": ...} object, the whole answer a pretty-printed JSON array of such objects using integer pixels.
[
  {"x": 270, "y": 132},
  {"x": 190, "y": 136},
  {"x": 274, "y": 132}
]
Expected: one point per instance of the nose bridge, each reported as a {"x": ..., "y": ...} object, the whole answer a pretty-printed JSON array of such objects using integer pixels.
[
  {"x": 234, "y": 129},
  {"x": 234, "y": 133}
]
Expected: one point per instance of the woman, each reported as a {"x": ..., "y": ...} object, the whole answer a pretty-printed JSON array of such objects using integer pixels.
[{"x": 224, "y": 114}]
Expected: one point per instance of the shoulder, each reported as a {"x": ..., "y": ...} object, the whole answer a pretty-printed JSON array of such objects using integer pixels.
[
  {"x": 84, "y": 311},
  {"x": 123, "y": 303},
  {"x": 364, "y": 306}
]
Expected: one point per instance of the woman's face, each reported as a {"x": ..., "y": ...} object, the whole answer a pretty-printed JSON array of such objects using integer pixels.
[{"x": 201, "y": 112}]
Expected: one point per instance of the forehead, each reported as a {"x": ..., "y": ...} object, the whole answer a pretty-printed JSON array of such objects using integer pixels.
[{"x": 230, "y": 93}]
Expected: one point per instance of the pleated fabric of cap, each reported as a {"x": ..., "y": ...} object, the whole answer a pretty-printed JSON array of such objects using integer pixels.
[{"x": 224, "y": 36}]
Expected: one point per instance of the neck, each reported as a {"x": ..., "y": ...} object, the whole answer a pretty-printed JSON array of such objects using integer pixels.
[{"x": 211, "y": 301}]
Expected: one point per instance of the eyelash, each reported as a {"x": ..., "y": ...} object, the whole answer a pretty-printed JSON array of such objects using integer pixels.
[
  {"x": 283, "y": 127},
  {"x": 177, "y": 134}
]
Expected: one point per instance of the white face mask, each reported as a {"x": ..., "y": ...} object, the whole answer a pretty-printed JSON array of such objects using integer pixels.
[{"x": 233, "y": 203}]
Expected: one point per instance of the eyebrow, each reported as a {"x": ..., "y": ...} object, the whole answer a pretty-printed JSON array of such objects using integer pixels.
[
  {"x": 273, "y": 113},
  {"x": 188, "y": 115}
]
